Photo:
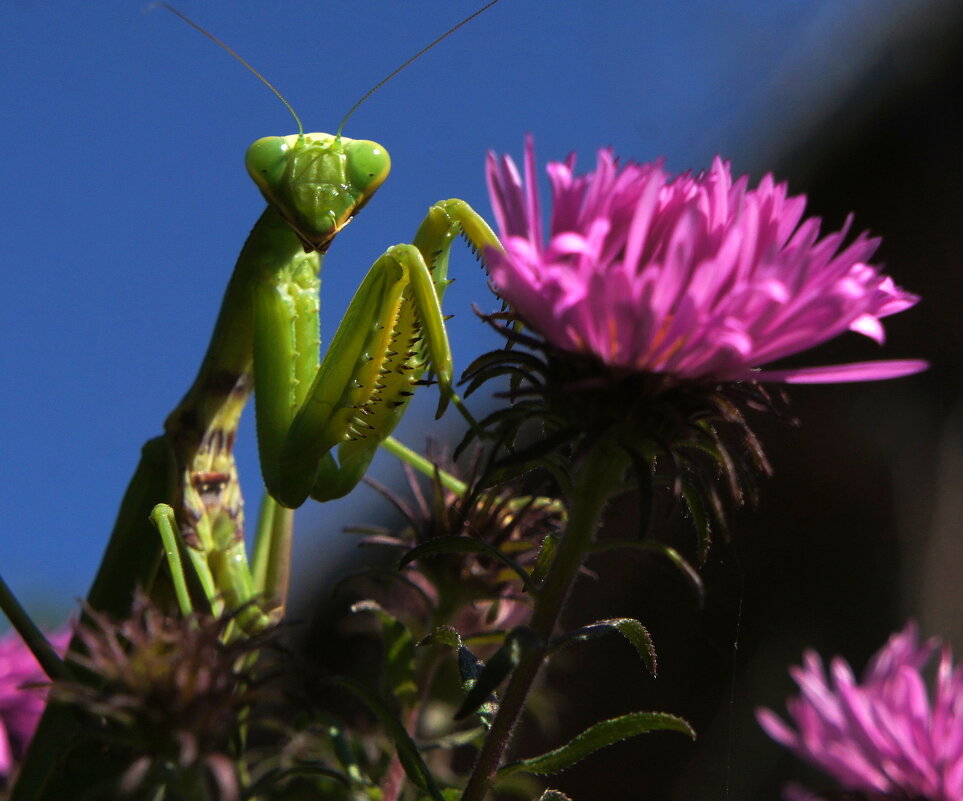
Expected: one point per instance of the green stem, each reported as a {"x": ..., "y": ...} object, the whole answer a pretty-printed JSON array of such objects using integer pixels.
[
  {"x": 599, "y": 476},
  {"x": 423, "y": 465},
  {"x": 46, "y": 656}
]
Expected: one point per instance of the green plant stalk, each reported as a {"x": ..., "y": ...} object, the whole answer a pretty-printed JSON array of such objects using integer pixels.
[
  {"x": 599, "y": 476},
  {"x": 34, "y": 638}
]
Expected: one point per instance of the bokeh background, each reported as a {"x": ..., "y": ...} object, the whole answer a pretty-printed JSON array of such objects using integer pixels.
[{"x": 125, "y": 202}]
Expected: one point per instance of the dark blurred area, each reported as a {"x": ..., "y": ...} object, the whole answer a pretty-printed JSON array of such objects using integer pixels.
[{"x": 859, "y": 529}]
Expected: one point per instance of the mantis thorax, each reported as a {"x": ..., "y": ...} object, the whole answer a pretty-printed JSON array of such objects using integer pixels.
[{"x": 317, "y": 181}]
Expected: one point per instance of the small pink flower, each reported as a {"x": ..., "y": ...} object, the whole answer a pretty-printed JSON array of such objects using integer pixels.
[
  {"x": 886, "y": 736},
  {"x": 21, "y": 704},
  {"x": 697, "y": 276}
]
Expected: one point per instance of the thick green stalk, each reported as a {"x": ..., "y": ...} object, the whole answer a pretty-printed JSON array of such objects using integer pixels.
[{"x": 598, "y": 478}]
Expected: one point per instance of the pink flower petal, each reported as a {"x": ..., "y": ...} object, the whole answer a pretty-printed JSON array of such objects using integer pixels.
[{"x": 715, "y": 278}]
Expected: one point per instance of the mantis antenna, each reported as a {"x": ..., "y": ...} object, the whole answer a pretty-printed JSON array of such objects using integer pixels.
[
  {"x": 257, "y": 74},
  {"x": 411, "y": 60}
]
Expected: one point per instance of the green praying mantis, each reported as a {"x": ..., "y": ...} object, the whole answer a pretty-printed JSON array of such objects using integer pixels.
[{"x": 319, "y": 422}]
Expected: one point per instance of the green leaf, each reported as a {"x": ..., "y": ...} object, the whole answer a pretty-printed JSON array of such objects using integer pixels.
[
  {"x": 700, "y": 516},
  {"x": 553, "y": 795},
  {"x": 443, "y": 635},
  {"x": 597, "y": 737},
  {"x": 470, "y": 667},
  {"x": 482, "y": 638},
  {"x": 518, "y": 643},
  {"x": 534, "y": 454},
  {"x": 449, "y": 794},
  {"x": 628, "y": 627},
  {"x": 460, "y": 544},
  {"x": 342, "y": 750},
  {"x": 408, "y": 755},
  {"x": 399, "y": 654},
  {"x": 545, "y": 555}
]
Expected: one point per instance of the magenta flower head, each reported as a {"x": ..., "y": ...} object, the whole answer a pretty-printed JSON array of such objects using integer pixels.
[
  {"x": 886, "y": 737},
  {"x": 21, "y": 700},
  {"x": 651, "y": 308},
  {"x": 692, "y": 277}
]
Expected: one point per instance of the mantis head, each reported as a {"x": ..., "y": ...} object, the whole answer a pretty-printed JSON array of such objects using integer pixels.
[{"x": 317, "y": 181}]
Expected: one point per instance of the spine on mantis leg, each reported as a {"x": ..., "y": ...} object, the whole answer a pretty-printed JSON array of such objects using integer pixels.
[{"x": 391, "y": 334}]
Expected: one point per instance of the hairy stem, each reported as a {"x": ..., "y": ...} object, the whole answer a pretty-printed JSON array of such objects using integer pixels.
[{"x": 599, "y": 476}]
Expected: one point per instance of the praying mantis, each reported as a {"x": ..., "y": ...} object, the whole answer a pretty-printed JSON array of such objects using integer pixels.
[
  {"x": 319, "y": 422},
  {"x": 266, "y": 338}
]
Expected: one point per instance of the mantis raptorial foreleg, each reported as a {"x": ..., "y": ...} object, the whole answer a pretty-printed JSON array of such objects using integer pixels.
[{"x": 319, "y": 425}]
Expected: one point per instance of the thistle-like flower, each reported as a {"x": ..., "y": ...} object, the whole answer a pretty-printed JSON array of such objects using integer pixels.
[
  {"x": 473, "y": 592},
  {"x": 22, "y": 696},
  {"x": 652, "y": 306},
  {"x": 173, "y": 692},
  {"x": 885, "y": 737},
  {"x": 696, "y": 277}
]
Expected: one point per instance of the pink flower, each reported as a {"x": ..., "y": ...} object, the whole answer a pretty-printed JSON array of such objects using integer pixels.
[
  {"x": 696, "y": 276},
  {"x": 885, "y": 735},
  {"x": 21, "y": 704}
]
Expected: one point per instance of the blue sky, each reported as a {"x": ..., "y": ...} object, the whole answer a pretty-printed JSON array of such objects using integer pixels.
[{"x": 125, "y": 200}]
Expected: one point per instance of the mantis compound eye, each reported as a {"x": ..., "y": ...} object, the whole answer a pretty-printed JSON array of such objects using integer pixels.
[
  {"x": 266, "y": 160},
  {"x": 368, "y": 165}
]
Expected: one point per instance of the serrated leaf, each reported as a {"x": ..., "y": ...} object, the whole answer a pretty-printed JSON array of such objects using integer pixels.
[
  {"x": 443, "y": 635},
  {"x": 518, "y": 643},
  {"x": 399, "y": 653},
  {"x": 545, "y": 555},
  {"x": 461, "y": 544},
  {"x": 628, "y": 627},
  {"x": 482, "y": 638},
  {"x": 408, "y": 755},
  {"x": 700, "y": 518},
  {"x": 553, "y": 795},
  {"x": 597, "y": 737}
]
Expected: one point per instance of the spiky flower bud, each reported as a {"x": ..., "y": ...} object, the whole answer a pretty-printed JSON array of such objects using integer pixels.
[{"x": 171, "y": 692}]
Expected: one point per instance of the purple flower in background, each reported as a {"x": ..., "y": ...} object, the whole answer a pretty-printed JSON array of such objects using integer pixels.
[
  {"x": 697, "y": 276},
  {"x": 884, "y": 736},
  {"x": 21, "y": 704}
]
